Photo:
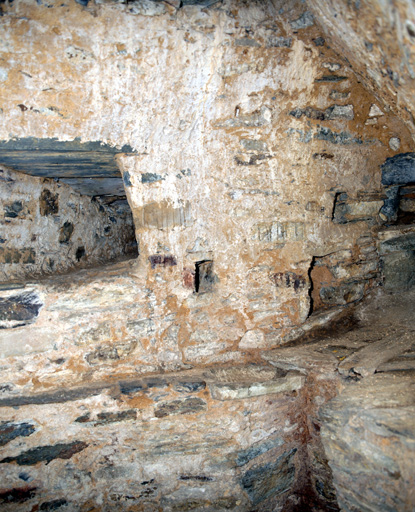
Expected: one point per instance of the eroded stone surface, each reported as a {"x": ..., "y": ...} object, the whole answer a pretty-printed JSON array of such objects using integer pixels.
[{"x": 368, "y": 434}]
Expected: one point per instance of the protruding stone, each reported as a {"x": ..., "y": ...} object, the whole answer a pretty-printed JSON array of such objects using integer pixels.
[
  {"x": 239, "y": 391},
  {"x": 181, "y": 406},
  {"x": 18, "y": 310},
  {"x": 10, "y": 430},
  {"x": 399, "y": 169},
  {"x": 46, "y": 453},
  {"x": 304, "y": 21},
  {"x": 375, "y": 111},
  {"x": 252, "y": 340},
  {"x": 394, "y": 143}
]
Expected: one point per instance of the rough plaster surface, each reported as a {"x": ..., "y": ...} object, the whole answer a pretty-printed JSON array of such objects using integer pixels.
[
  {"x": 46, "y": 227},
  {"x": 252, "y": 154},
  {"x": 255, "y": 193}
]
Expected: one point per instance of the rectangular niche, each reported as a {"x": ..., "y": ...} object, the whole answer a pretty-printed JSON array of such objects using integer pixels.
[{"x": 204, "y": 276}]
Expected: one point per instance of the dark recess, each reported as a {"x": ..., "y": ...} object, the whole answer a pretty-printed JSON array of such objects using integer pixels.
[{"x": 204, "y": 276}]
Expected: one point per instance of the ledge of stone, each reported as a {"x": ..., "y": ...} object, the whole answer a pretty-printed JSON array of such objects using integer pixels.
[
  {"x": 291, "y": 382},
  {"x": 223, "y": 383}
]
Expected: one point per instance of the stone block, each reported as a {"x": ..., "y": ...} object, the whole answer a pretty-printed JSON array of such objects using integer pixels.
[
  {"x": 148, "y": 8},
  {"x": 290, "y": 280},
  {"x": 65, "y": 232},
  {"x": 342, "y": 294},
  {"x": 242, "y": 390},
  {"x": 397, "y": 254},
  {"x": 55, "y": 397},
  {"x": 331, "y": 113},
  {"x": 339, "y": 95},
  {"x": 17, "y": 495},
  {"x": 319, "y": 41},
  {"x": 398, "y": 270},
  {"x": 340, "y": 112},
  {"x": 162, "y": 260},
  {"x": 110, "y": 352},
  {"x": 252, "y": 340},
  {"x": 151, "y": 177},
  {"x": 399, "y": 169},
  {"x": 19, "y": 310},
  {"x": 246, "y": 41},
  {"x": 181, "y": 406},
  {"x": 13, "y": 210},
  {"x": 352, "y": 210},
  {"x": 261, "y": 117},
  {"x": 189, "y": 386},
  {"x": 279, "y": 42},
  {"x": 104, "y": 418},
  {"x": 11, "y": 255},
  {"x": 46, "y": 453},
  {"x": 394, "y": 143},
  {"x": 342, "y": 138},
  {"x": 48, "y": 203},
  {"x": 205, "y": 350},
  {"x": 10, "y": 431},
  {"x": 245, "y": 456},
  {"x": 304, "y": 21},
  {"x": 254, "y": 145},
  {"x": 48, "y": 506}
]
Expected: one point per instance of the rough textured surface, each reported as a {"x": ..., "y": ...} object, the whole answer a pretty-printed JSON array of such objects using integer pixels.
[
  {"x": 378, "y": 39},
  {"x": 221, "y": 455},
  {"x": 47, "y": 227},
  {"x": 228, "y": 245},
  {"x": 396, "y": 247},
  {"x": 194, "y": 377},
  {"x": 368, "y": 430},
  {"x": 229, "y": 436}
]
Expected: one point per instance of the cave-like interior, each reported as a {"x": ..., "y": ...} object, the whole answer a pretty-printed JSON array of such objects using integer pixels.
[{"x": 207, "y": 255}]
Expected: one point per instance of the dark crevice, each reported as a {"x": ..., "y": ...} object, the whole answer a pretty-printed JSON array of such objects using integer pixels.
[{"x": 311, "y": 286}]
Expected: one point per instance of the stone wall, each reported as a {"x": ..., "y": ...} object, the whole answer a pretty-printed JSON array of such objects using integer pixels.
[
  {"x": 255, "y": 184},
  {"x": 378, "y": 39},
  {"x": 46, "y": 227},
  {"x": 216, "y": 440}
]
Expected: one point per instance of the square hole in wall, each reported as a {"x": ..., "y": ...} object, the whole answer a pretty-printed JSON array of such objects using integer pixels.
[{"x": 204, "y": 276}]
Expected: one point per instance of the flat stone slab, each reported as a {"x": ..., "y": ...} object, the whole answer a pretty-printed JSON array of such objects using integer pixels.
[{"x": 291, "y": 382}]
